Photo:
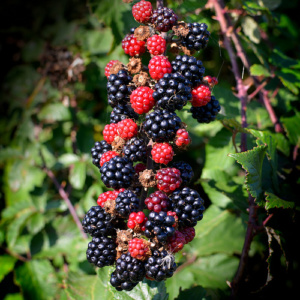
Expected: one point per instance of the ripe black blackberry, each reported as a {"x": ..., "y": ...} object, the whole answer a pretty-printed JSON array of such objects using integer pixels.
[
  {"x": 208, "y": 112},
  {"x": 126, "y": 203},
  {"x": 197, "y": 38},
  {"x": 97, "y": 151},
  {"x": 164, "y": 19},
  {"x": 101, "y": 251},
  {"x": 121, "y": 285},
  {"x": 186, "y": 171},
  {"x": 188, "y": 206},
  {"x": 129, "y": 268},
  {"x": 160, "y": 265},
  {"x": 189, "y": 67},
  {"x": 97, "y": 222},
  {"x": 136, "y": 150},
  {"x": 118, "y": 91},
  {"x": 161, "y": 125},
  {"x": 160, "y": 225},
  {"x": 122, "y": 112},
  {"x": 172, "y": 92},
  {"x": 117, "y": 172}
]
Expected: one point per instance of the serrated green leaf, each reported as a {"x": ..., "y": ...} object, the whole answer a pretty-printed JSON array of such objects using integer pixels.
[
  {"x": 273, "y": 201},
  {"x": 77, "y": 175},
  {"x": 251, "y": 29},
  {"x": 196, "y": 292},
  {"x": 54, "y": 112},
  {"x": 37, "y": 280},
  {"x": 7, "y": 263},
  {"x": 292, "y": 127},
  {"x": 251, "y": 162},
  {"x": 289, "y": 79},
  {"x": 259, "y": 70}
]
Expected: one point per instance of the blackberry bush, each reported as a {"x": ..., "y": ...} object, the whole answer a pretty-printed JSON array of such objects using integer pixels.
[{"x": 134, "y": 229}]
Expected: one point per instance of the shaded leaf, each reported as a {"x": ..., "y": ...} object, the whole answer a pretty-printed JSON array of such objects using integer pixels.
[
  {"x": 77, "y": 175},
  {"x": 54, "y": 112},
  {"x": 273, "y": 201},
  {"x": 7, "y": 263},
  {"x": 292, "y": 127},
  {"x": 197, "y": 292},
  {"x": 36, "y": 222}
]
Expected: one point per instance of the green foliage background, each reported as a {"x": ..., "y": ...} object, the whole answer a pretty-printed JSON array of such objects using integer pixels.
[{"x": 42, "y": 253}]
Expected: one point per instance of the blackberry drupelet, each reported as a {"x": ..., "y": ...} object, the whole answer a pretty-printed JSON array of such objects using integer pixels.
[
  {"x": 129, "y": 268},
  {"x": 121, "y": 285},
  {"x": 97, "y": 222},
  {"x": 188, "y": 206},
  {"x": 186, "y": 171},
  {"x": 191, "y": 68},
  {"x": 160, "y": 265},
  {"x": 118, "y": 90},
  {"x": 117, "y": 172},
  {"x": 197, "y": 38},
  {"x": 122, "y": 112},
  {"x": 161, "y": 125},
  {"x": 135, "y": 149},
  {"x": 101, "y": 251},
  {"x": 126, "y": 203},
  {"x": 97, "y": 151},
  {"x": 208, "y": 112},
  {"x": 164, "y": 19},
  {"x": 160, "y": 225},
  {"x": 172, "y": 92}
]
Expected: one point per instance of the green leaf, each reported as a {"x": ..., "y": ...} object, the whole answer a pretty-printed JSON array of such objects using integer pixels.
[
  {"x": 270, "y": 4},
  {"x": 251, "y": 29},
  {"x": 251, "y": 162},
  {"x": 36, "y": 222},
  {"x": 13, "y": 297},
  {"x": 37, "y": 280},
  {"x": 289, "y": 79},
  {"x": 77, "y": 175},
  {"x": 10, "y": 153},
  {"x": 54, "y": 112},
  {"x": 196, "y": 292},
  {"x": 68, "y": 159},
  {"x": 7, "y": 264},
  {"x": 292, "y": 128},
  {"x": 272, "y": 201},
  {"x": 259, "y": 70},
  {"x": 279, "y": 59}
]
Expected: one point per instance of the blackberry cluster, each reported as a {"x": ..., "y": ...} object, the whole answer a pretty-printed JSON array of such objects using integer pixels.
[
  {"x": 118, "y": 89},
  {"x": 189, "y": 67},
  {"x": 161, "y": 125},
  {"x": 188, "y": 206},
  {"x": 208, "y": 112},
  {"x": 122, "y": 112},
  {"x": 136, "y": 150},
  {"x": 117, "y": 173},
  {"x": 172, "y": 92},
  {"x": 135, "y": 230},
  {"x": 97, "y": 151},
  {"x": 197, "y": 38},
  {"x": 101, "y": 251},
  {"x": 160, "y": 226},
  {"x": 186, "y": 171},
  {"x": 126, "y": 203}
]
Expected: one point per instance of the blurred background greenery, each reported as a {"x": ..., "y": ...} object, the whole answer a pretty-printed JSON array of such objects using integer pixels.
[{"x": 54, "y": 107}]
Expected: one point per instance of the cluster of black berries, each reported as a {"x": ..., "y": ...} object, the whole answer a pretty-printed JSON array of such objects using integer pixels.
[{"x": 132, "y": 229}]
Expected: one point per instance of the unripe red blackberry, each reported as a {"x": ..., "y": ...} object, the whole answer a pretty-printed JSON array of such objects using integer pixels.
[
  {"x": 188, "y": 206},
  {"x": 127, "y": 129},
  {"x": 186, "y": 171},
  {"x": 168, "y": 179},
  {"x": 122, "y": 112},
  {"x": 159, "y": 66},
  {"x": 140, "y": 167},
  {"x": 135, "y": 149},
  {"x": 117, "y": 173},
  {"x": 110, "y": 132},
  {"x": 142, "y": 11},
  {"x": 160, "y": 226},
  {"x": 210, "y": 81},
  {"x": 137, "y": 220},
  {"x": 97, "y": 151},
  {"x": 201, "y": 95},
  {"x": 107, "y": 156},
  {"x": 157, "y": 201},
  {"x": 162, "y": 153},
  {"x": 160, "y": 265},
  {"x": 141, "y": 99},
  {"x": 189, "y": 233},
  {"x": 101, "y": 251},
  {"x": 208, "y": 112},
  {"x": 156, "y": 45},
  {"x": 108, "y": 66},
  {"x": 97, "y": 222},
  {"x": 109, "y": 195},
  {"x": 139, "y": 249},
  {"x": 164, "y": 19},
  {"x": 126, "y": 203},
  {"x": 182, "y": 138},
  {"x": 176, "y": 242},
  {"x": 132, "y": 46}
]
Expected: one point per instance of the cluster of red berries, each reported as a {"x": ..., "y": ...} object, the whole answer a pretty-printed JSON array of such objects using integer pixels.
[{"x": 142, "y": 229}]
